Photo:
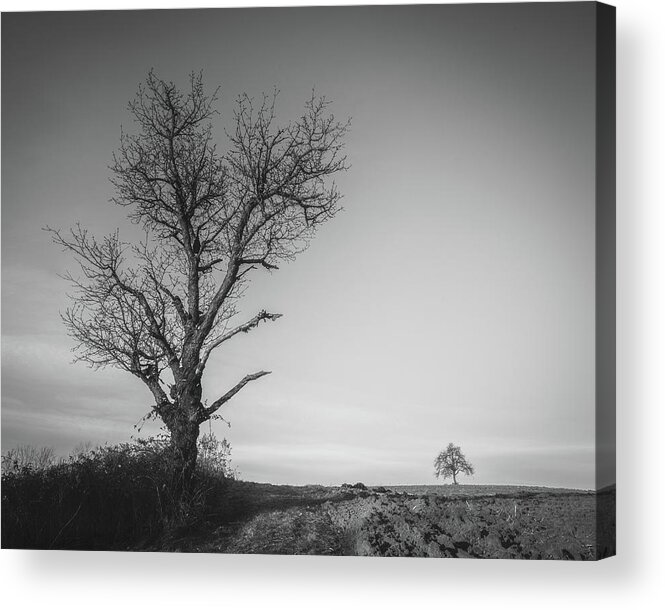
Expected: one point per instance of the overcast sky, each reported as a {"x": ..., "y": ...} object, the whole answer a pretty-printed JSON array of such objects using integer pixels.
[{"x": 451, "y": 301}]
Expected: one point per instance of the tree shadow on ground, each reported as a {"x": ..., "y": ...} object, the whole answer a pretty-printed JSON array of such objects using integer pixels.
[{"x": 241, "y": 503}]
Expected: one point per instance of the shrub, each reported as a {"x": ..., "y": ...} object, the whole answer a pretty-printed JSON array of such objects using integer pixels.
[
  {"x": 113, "y": 497},
  {"x": 215, "y": 456}
]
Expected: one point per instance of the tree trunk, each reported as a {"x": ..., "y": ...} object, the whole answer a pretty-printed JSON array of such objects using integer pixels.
[
  {"x": 184, "y": 432},
  {"x": 454, "y": 479},
  {"x": 184, "y": 437},
  {"x": 183, "y": 424}
]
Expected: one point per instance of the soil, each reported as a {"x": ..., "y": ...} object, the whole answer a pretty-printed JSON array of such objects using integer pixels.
[{"x": 429, "y": 521}]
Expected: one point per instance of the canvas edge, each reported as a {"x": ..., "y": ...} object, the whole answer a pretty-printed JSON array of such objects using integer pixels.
[{"x": 605, "y": 341}]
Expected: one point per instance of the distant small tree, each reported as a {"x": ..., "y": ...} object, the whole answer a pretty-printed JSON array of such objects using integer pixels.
[{"x": 450, "y": 462}]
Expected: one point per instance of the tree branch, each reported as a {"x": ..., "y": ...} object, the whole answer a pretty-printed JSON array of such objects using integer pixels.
[
  {"x": 208, "y": 412},
  {"x": 243, "y": 328},
  {"x": 258, "y": 261}
]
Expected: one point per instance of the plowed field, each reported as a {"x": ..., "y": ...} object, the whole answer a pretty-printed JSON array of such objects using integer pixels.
[{"x": 437, "y": 521}]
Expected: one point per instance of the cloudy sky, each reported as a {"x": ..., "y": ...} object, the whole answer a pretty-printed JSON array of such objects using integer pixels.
[{"x": 452, "y": 300}]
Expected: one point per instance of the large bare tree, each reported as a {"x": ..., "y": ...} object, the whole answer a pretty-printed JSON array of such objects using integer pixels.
[{"x": 159, "y": 308}]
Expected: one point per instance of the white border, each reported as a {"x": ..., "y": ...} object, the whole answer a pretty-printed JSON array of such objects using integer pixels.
[{"x": 109, "y": 580}]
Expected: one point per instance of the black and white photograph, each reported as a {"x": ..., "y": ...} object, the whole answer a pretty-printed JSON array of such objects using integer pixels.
[{"x": 310, "y": 281}]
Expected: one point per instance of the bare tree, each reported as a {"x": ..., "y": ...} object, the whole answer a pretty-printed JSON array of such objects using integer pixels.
[
  {"x": 159, "y": 308},
  {"x": 451, "y": 462}
]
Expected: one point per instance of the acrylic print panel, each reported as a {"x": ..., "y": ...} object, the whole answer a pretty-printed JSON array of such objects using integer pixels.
[{"x": 358, "y": 300}]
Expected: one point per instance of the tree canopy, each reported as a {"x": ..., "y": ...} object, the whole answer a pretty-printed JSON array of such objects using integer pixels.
[
  {"x": 159, "y": 308},
  {"x": 451, "y": 462}
]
